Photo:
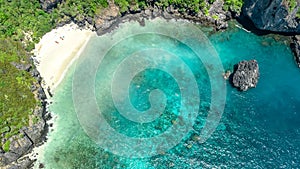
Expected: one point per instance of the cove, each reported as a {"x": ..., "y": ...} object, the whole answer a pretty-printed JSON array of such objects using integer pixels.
[{"x": 258, "y": 129}]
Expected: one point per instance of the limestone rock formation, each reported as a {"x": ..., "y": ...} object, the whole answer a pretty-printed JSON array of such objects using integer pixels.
[
  {"x": 272, "y": 15},
  {"x": 246, "y": 75},
  {"x": 106, "y": 18},
  {"x": 295, "y": 46},
  {"x": 29, "y": 136}
]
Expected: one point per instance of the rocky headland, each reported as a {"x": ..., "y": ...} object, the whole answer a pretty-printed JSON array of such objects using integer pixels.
[
  {"x": 32, "y": 135},
  {"x": 272, "y": 15}
]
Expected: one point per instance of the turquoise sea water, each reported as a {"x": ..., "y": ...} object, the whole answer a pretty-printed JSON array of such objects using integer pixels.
[{"x": 259, "y": 128}]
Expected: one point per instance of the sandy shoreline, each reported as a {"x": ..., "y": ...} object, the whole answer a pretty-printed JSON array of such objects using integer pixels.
[
  {"x": 54, "y": 54},
  {"x": 57, "y": 50}
]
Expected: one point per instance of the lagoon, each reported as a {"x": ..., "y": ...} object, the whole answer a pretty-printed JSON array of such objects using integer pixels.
[{"x": 259, "y": 128}]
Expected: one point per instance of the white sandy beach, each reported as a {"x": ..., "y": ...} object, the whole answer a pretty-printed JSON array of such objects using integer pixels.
[
  {"x": 54, "y": 54},
  {"x": 57, "y": 50}
]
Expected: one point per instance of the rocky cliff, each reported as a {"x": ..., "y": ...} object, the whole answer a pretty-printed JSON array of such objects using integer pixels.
[
  {"x": 295, "y": 46},
  {"x": 29, "y": 136},
  {"x": 272, "y": 15}
]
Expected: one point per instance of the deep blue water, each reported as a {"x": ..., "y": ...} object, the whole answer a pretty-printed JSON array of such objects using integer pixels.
[{"x": 259, "y": 128}]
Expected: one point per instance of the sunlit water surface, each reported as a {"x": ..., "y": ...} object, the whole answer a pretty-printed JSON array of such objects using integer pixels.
[{"x": 259, "y": 128}]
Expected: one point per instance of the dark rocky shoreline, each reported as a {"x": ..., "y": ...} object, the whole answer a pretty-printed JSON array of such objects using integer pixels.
[
  {"x": 110, "y": 17},
  {"x": 252, "y": 17},
  {"x": 264, "y": 17},
  {"x": 273, "y": 16},
  {"x": 295, "y": 46},
  {"x": 32, "y": 136}
]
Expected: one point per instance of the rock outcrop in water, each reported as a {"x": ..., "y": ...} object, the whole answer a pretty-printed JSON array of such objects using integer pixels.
[
  {"x": 295, "y": 46},
  {"x": 272, "y": 15},
  {"x": 246, "y": 75}
]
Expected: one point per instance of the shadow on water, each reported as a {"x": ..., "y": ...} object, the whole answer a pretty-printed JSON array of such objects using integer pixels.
[{"x": 250, "y": 26}]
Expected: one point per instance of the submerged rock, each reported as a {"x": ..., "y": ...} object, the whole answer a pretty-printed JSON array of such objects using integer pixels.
[
  {"x": 246, "y": 75},
  {"x": 295, "y": 46},
  {"x": 226, "y": 75},
  {"x": 272, "y": 15}
]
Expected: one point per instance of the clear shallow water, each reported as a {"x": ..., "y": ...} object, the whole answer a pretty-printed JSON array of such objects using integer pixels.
[{"x": 259, "y": 128}]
